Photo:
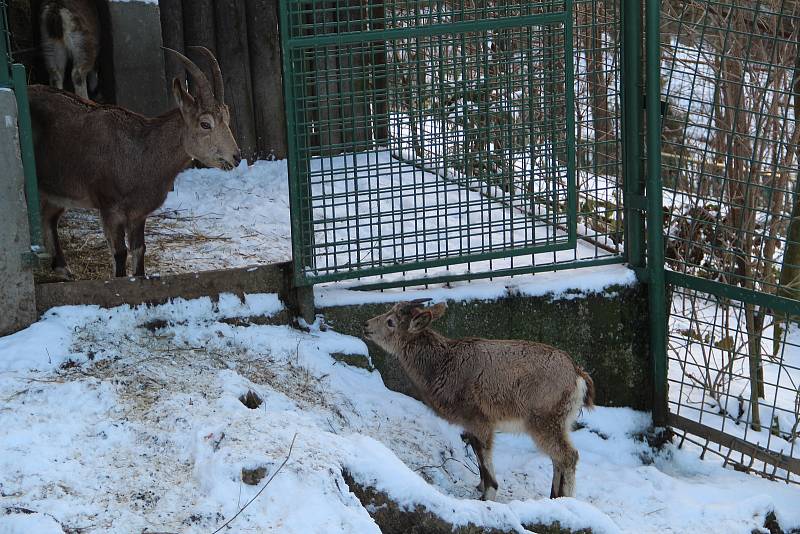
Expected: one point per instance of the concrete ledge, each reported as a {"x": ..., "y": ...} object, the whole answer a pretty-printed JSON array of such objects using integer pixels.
[
  {"x": 16, "y": 278},
  {"x": 605, "y": 332},
  {"x": 156, "y": 290}
]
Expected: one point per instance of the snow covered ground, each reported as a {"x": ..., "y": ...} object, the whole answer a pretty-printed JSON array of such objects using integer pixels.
[
  {"x": 129, "y": 420},
  {"x": 217, "y": 220}
]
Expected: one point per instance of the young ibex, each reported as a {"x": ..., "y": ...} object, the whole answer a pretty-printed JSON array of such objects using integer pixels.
[
  {"x": 121, "y": 163},
  {"x": 70, "y": 30},
  {"x": 483, "y": 385}
]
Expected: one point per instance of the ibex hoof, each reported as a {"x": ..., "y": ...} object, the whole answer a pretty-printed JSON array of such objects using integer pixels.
[{"x": 489, "y": 494}]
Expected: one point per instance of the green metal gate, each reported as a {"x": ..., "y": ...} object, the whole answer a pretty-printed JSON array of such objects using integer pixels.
[
  {"x": 437, "y": 140},
  {"x": 424, "y": 134}
]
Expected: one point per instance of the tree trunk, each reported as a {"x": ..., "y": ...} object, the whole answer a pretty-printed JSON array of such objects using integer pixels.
[
  {"x": 199, "y": 30},
  {"x": 265, "y": 63},
  {"x": 234, "y": 60},
  {"x": 789, "y": 281},
  {"x": 171, "y": 12}
]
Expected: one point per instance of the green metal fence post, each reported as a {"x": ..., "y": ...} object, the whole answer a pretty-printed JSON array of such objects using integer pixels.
[
  {"x": 28, "y": 161},
  {"x": 632, "y": 133},
  {"x": 655, "y": 235}
]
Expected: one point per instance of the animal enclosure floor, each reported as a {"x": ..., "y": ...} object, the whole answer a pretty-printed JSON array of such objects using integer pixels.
[
  {"x": 130, "y": 420},
  {"x": 211, "y": 220},
  {"x": 217, "y": 220}
]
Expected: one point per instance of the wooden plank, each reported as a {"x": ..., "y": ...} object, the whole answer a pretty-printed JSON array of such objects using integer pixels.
[
  {"x": 234, "y": 60},
  {"x": 171, "y": 13},
  {"x": 156, "y": 290},
  {"x": 265, "y": 70},
  {"x": 199, "y": 30},
  {"x": 758, "y": 452},
  {"x": 380, "y": 94}
]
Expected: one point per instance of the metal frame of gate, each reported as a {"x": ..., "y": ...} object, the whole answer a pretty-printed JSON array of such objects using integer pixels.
[{"x": 349, "y": 97}]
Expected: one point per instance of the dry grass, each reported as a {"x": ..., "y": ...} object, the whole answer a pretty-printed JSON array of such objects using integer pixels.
[{"x": 88, "y": 255}]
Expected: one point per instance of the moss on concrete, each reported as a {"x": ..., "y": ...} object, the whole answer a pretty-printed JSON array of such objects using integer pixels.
[
  {"x": 355, "y": 360},
  {"x": 605, "y": 332},
  {"x": 392, "y": 518}
]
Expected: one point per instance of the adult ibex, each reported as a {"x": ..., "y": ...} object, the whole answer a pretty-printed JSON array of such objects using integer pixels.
[
  {"x": 121, "y": 163},
  {"x": 70, "y": 30},
  {"x": 484, "y": 385}
]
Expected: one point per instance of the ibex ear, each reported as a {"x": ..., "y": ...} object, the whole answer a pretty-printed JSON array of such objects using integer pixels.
[
  {"x": 183, "y": 100},
  {"x": 420, "y": 321},
  {"x": 438, "y": 310}
]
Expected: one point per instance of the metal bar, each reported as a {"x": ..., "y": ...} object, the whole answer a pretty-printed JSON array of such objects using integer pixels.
[
  {"x": 781, "y": 461},
  {"x": 371, "y": 286},
  {"x": 743, "y": 294},
  {"x": 569, "y": 77},
  {"x": 307, "y": 279},
  {"x": 28, "y": 159},
  {"x": 425, "y": 30},
  {"x": 655, "y": 235},
  {"x": 632, "y": 131},
  {"x": 295, "y": 214}
]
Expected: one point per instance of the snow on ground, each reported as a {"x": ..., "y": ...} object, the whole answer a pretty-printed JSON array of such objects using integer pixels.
[
  {"x": 128, "y": 419},
  {"x": 217, "y": 220}
]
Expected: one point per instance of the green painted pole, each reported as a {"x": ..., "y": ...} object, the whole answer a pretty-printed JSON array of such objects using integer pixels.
[
  {"x": 632, "y": 128},
  {"x": 28, "y": 159},
  {"x": 655, "y": 233}
]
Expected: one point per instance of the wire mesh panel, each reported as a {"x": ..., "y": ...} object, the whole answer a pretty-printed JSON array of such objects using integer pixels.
[
  {"x": 424, "y": 134},
  {"x": 730, "y": 159}
]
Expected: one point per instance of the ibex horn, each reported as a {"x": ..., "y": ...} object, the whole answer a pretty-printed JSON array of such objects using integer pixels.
[
  {"x": 203, "y": 88},
  {"x": 219, "y": 87}
]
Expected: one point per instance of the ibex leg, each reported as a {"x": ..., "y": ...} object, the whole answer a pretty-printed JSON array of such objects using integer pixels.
[
  {"x": 50, "y": 217},
  {"x": 55, "y": 58},
  {"x": 136, "y": 246},
  {"x": 114, "y": 228},
  {"x": 482, "y": 440}
]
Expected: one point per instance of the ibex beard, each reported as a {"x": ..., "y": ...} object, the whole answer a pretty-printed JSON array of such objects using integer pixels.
[{"x": 486, "y": 385}]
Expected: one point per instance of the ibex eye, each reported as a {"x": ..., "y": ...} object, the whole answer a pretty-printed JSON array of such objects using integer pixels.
[
  {"x": 390, "y": 323},
  {"x": 204, "y": 125}
]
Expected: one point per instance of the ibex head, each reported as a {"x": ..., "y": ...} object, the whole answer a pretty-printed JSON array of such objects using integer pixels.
[
  {"x": 208, "y": 137},
  {"x": 404, "y": 320}
]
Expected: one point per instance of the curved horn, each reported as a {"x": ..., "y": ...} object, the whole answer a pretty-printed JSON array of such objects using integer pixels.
[
  {"x": 219, "y": 87},
  {"x": 204, "y": 90}
]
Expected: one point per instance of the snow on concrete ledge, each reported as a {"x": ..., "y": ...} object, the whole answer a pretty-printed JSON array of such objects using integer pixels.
[{"x": 564, "y": 284}]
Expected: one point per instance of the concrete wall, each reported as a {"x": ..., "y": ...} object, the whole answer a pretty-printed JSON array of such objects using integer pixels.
[
  {"x": 16, "y": 279},
  {"x": 606, "y": 333},
  {"x": 138, "y": 58}
]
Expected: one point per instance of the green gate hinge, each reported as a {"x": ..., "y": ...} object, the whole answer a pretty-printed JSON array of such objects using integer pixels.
[{"x": 635, "y": 201}]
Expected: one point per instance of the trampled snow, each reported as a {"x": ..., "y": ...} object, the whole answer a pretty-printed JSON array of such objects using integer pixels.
[{"x": 129, "y": 419}]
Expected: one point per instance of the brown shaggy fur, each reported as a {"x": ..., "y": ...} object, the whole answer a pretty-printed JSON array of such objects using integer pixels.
[
  {"x": 484, "y": 384},
  {"x": 123, "y": 164}
]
